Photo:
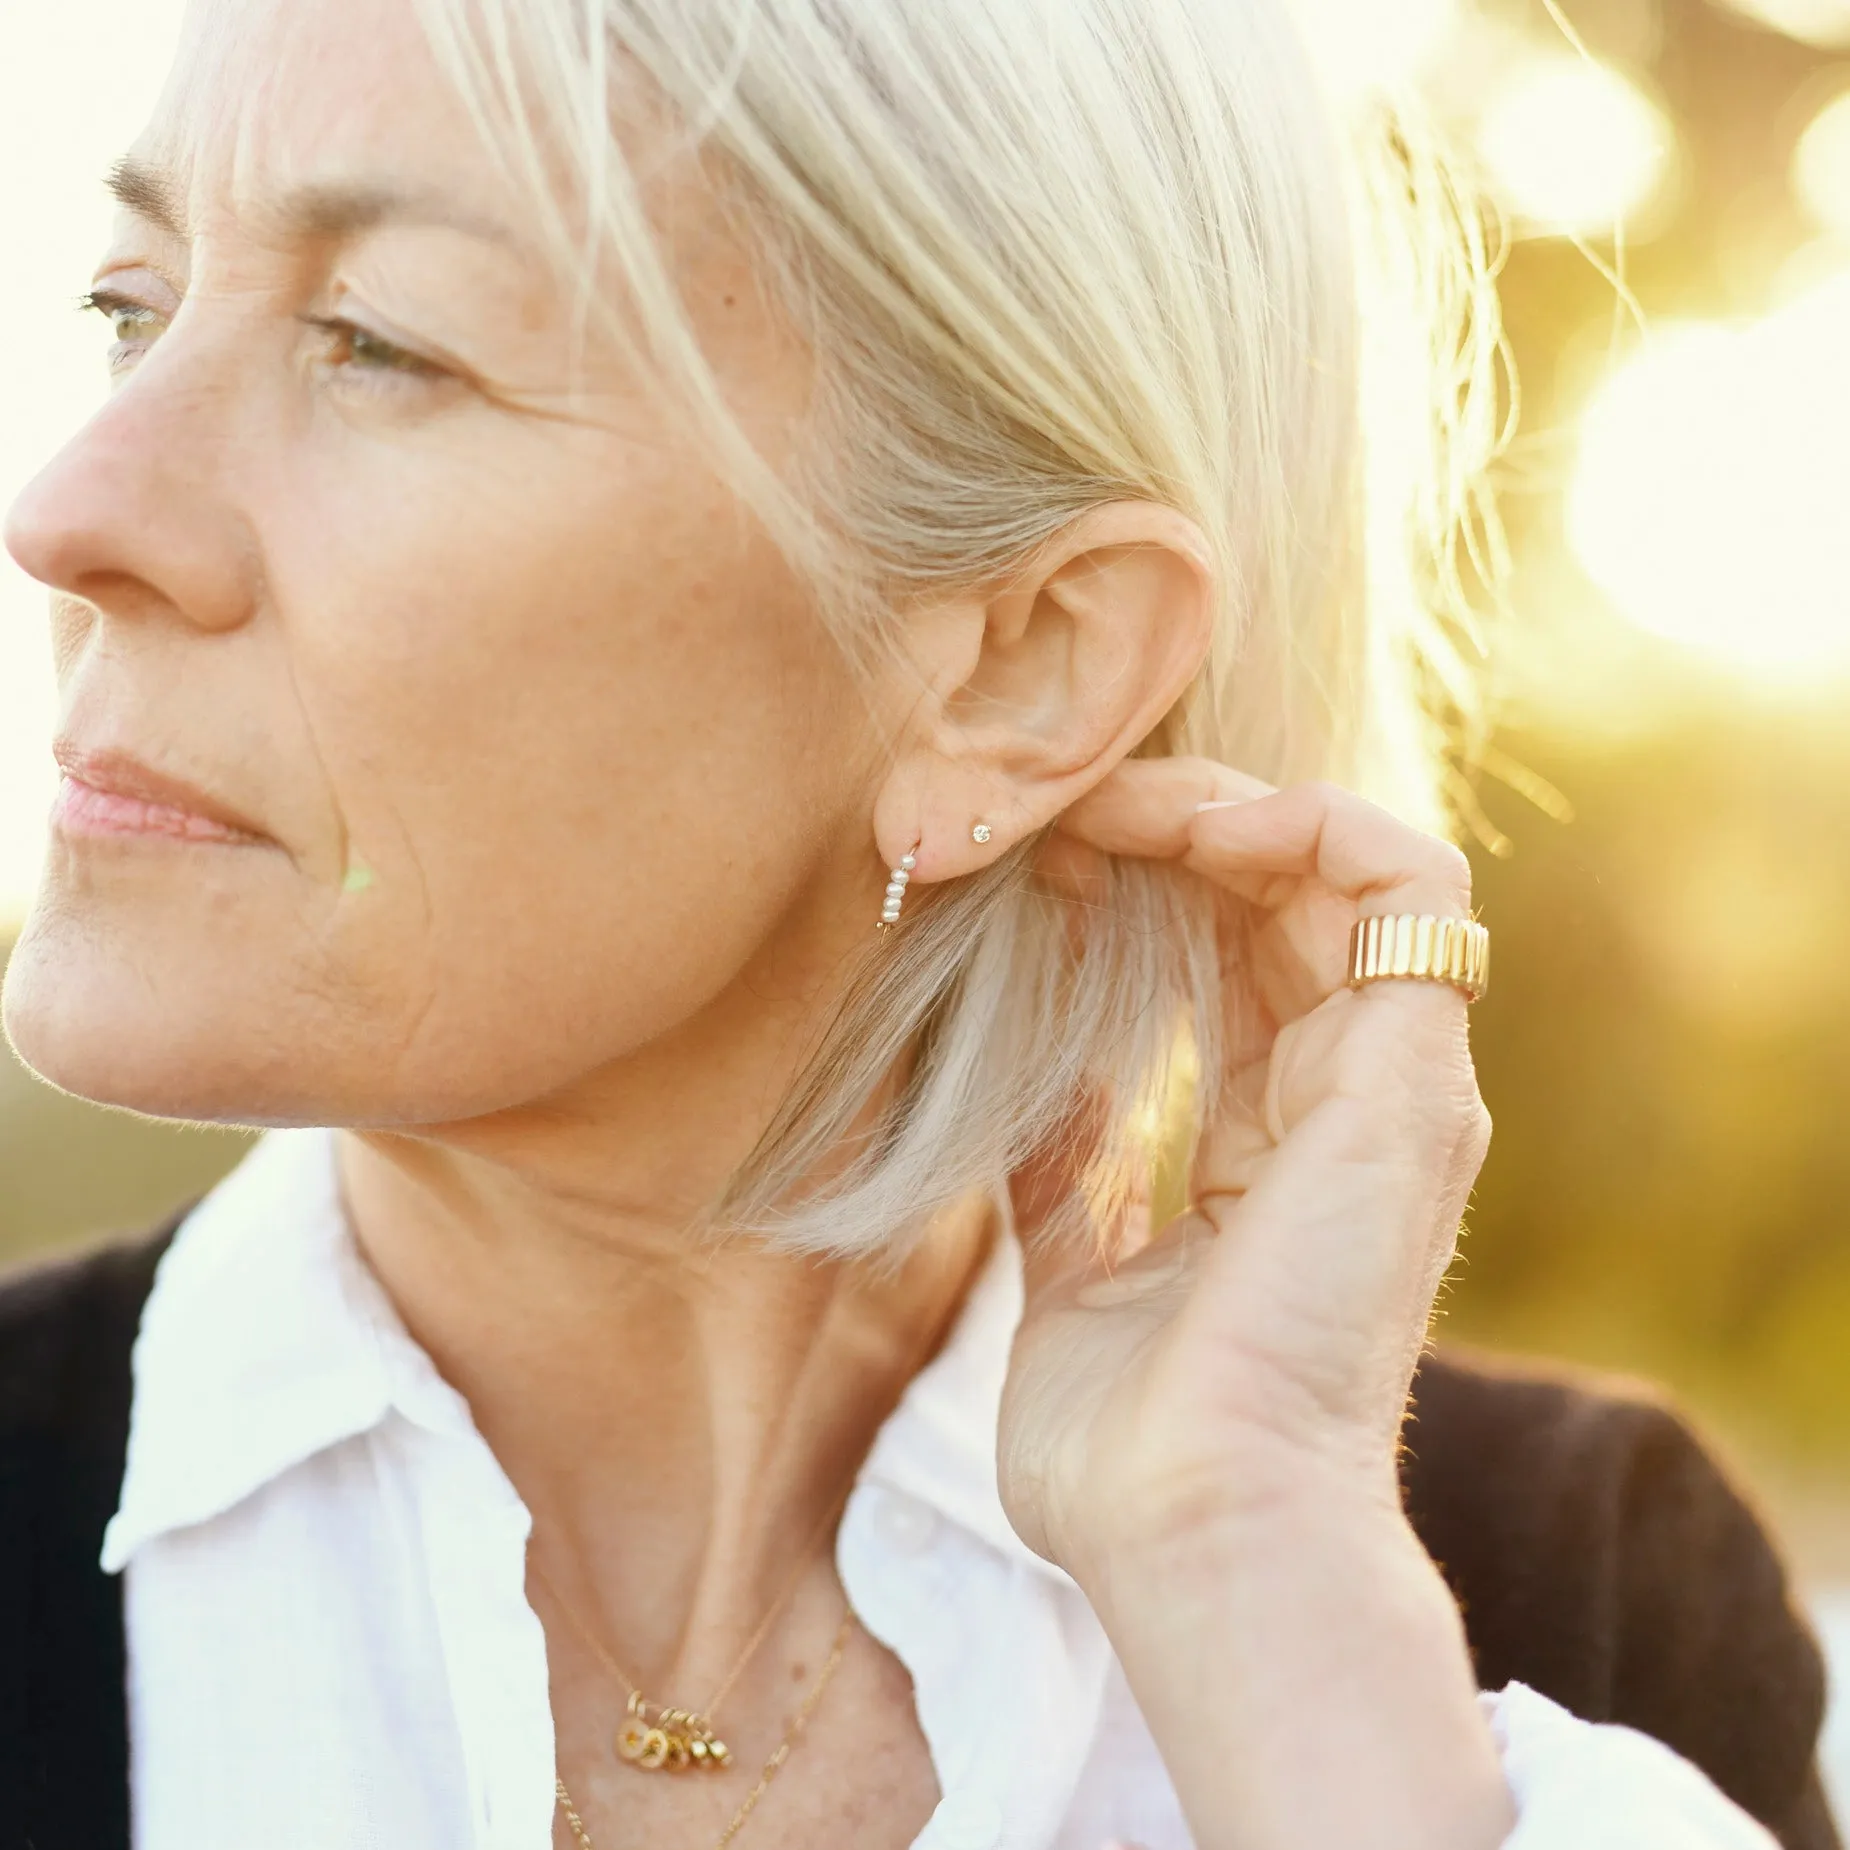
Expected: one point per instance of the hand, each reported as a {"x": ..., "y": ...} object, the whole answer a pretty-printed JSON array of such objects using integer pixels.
[
  {"x": 1269, "y": 1334},
  {"x": 1204, "y": 1434}
]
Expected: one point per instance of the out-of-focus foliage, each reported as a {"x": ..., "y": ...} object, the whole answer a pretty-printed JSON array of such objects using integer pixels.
[{"x": 1666, "y": 1052}]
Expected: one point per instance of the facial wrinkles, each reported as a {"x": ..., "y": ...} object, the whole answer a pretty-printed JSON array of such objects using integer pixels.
[
  {"x": 229, "y": 274},
  {"x": 251, "y": 109},
  {"x": 458, "y": 688}
]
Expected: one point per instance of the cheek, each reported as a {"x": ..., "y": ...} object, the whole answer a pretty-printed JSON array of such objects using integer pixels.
[{"x": 586, "y": 753}]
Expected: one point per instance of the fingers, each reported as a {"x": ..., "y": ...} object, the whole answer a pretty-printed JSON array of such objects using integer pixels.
[
  {"x": 1147, "y": 806},
  {"x": 1356, "y": 850},
  {"x": 1250, "y": 831},
  {"x": 1310, "y": 860}
]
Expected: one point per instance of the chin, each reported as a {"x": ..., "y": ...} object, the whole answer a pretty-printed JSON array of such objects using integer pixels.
[
  {"x": 155, "y": 1009},
  {"x": 175, "y": 997},
  {"x": 123, "y": 1028}
]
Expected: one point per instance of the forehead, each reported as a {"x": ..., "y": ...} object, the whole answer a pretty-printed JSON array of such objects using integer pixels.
[
  {"x": 273, "y": 102},
  {"x": 268, "y": 96},
  {"x": 285, "y": 119}
]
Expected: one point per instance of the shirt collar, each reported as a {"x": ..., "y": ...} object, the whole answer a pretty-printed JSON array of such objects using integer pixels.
[{"x": 267, "y": 1339}]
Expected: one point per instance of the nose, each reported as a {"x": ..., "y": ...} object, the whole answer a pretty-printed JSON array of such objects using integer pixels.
[{"x": 133, "y": 515}]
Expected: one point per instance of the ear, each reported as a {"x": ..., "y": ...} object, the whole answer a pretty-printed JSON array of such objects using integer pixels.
[{"x": 1034, "y": 690}]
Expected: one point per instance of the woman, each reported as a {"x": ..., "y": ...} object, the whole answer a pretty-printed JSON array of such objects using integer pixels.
[{"x": 655, "y": 628}]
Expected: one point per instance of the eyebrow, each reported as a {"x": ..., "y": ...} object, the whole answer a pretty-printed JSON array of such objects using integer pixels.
[
  {"x": 320, "y": 210},
  {"x": 148, "y": 193}
]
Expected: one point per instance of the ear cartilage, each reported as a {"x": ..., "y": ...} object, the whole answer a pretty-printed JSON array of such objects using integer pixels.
[
  {"x": 896, "y": 892},
  {"x": 981, "y": 832}
]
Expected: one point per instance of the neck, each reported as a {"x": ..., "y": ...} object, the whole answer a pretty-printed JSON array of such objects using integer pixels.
[{"x": 681, "y": 1416}]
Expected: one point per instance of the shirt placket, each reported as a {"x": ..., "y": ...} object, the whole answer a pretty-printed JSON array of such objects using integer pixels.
[
  {"x": 476, "y": 1530},
  {"x": 1008, "y": 1681}
]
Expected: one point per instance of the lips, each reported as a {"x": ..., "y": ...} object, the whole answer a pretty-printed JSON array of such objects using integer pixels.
[{"x": 113, "y": 793}]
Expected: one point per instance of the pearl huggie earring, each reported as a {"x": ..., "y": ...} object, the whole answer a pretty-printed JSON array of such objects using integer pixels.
[{"x": 896, "y": 891}]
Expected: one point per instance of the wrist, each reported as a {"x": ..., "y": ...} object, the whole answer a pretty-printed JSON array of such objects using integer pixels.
[
  {"x": 1247, "y": 1519},
  {"x": 1307, "y": 1680},
  {"x": 1299, "y": 1558}
]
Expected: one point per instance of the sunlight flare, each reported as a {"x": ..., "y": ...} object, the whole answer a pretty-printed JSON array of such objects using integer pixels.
[
  {"x": 1574, "y": 147},
  {"x": 1714, "y": 470}
]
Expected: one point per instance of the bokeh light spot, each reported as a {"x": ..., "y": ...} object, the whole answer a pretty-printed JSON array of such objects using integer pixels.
[
  {"x": 1574, "y": 147},
  {"x": 1821, "y": 165},
  {"x": 1710, "y": 493}
]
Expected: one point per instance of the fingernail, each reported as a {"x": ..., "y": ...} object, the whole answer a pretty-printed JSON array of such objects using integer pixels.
[{"x": 1222, "y": 803}]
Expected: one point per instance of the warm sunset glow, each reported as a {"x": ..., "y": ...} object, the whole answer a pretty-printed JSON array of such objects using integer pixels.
[
  {"x": 1821, "y": 165},
  {"x": 1714, "y": 473},
  {"x": 1574, "y": 147}
]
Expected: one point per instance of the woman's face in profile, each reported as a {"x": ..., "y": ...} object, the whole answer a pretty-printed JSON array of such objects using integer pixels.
[{"x": 523, "y": 743}]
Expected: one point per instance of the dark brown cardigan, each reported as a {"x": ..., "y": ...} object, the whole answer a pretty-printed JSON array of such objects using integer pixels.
[{"x": 1597, "y": 1554}]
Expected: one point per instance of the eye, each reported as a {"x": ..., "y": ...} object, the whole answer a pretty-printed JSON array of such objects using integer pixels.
[
  {"x": 356, "y": 350},
  {"x": 135, "y": 324}
]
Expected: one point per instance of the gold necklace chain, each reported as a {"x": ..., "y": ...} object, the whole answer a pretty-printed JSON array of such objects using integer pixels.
[
  {"x": 655, "y": 1735},
  {"x": 772, "y": 1767}
]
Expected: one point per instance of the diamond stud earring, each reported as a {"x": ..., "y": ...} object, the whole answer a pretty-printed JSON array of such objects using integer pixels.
[
  {"x": 980, "y": 833},
  {"x": 896, "y": 891}
]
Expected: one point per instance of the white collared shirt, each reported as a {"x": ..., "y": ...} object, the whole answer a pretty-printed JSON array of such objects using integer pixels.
[{"x": 330, "y": 1645}]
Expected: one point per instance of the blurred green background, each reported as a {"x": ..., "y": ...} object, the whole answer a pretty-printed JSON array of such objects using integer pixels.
[{"x": 1666, "y": 1046}]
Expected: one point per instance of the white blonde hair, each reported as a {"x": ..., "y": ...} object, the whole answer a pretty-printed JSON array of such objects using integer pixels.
[{"x": 1049, "y": 254}]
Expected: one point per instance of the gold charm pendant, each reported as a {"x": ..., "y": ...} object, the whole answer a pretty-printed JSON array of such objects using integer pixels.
[{"x": 677, "y": 1739}]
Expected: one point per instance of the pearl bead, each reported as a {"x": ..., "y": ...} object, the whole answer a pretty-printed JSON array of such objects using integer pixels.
[
  {"x": 900, "y": 876},
  {"x": 908, "y": 862}
]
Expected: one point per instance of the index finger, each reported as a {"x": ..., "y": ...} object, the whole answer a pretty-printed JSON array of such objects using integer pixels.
[
  {"x": 1354, "y": 848},
  {"x": 1147, "y": 806}
]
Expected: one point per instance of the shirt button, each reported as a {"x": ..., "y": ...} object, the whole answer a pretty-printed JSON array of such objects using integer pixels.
[
  {"x": 903, "y": 1523},
  {"x": 967, "y": 1821}
]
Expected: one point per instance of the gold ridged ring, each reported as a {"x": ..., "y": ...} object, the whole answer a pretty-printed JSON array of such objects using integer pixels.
[{"x": 1421, "y": 949}]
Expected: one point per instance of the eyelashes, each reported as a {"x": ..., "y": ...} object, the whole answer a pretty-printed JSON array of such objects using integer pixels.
[
  {"x": 134, "y": 323},
  {"x": 348, "y": 344},
  {"x": 117, "y": 308}
]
